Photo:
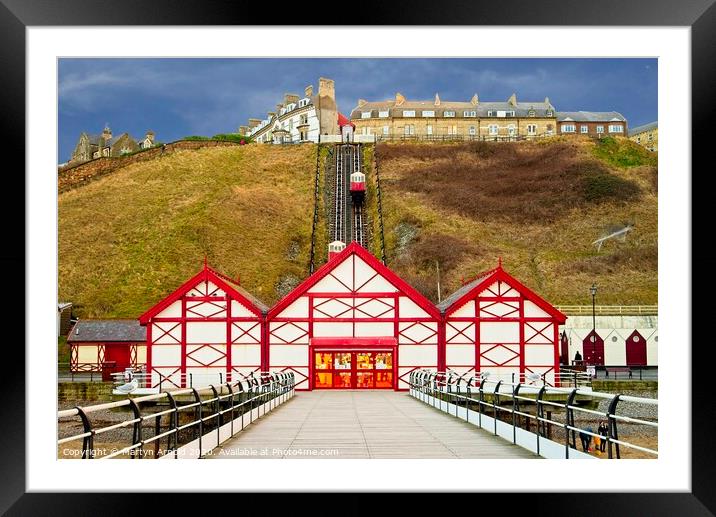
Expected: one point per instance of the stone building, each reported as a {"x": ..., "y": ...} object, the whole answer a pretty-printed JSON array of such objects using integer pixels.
[
  {"x": 311, "y": 118},
  {"x": 592, "y": 123},
  {"x": 90, "y": 147},
  {"x": 646, "y": 135},
  {"x": 461, "y": 120}
]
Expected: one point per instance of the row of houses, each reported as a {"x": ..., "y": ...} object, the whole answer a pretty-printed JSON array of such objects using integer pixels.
[
  {"x": 314, "y": 118},
  {"x": 352, "y": 324},
  {"x": 91, "y": 146}
]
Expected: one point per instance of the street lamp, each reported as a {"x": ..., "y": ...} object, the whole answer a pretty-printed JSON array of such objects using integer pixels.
[{"x": 593, "y": 290}]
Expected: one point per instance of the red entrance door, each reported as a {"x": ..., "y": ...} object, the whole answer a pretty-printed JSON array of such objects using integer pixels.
[
  {"x": 116, "y": 359},
  {"x": 352, "y": 370},
  {"x": 593, "y": 348},
  {"x": 636, "y": 350}
]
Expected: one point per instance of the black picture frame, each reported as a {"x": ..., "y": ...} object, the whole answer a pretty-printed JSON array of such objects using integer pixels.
[{"x": 700, "y": 15}]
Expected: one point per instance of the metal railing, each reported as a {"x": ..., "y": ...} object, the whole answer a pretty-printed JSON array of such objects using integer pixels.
[
  {"x": 611, "y": 310},
  {"x": 158, "y": 382},
  {"x": 564, "y": 378},
  {"x": 485, "y": 403},
  {"x": 190, "y": 421}
]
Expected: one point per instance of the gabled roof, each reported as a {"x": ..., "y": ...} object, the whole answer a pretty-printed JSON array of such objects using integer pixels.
[
  {"x": 483, "y": 281},
  {"x": 97, "y": 331},
  {"x": 343, "y": 121},
  {"x": 590, "y": 116},
  {"x": 645, "y": 127},
  {"x": 355, "y": 249},
  {"x": 224, "y": 282}
]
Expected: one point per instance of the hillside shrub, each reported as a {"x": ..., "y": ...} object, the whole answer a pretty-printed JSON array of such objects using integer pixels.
[
  {"x": 196, "y": 137},
  {"x": 232, "y": 137},
  {"x": 622, "y": 153}
]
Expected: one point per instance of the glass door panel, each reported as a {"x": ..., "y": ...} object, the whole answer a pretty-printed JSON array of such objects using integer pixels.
[
  {"x": 384, "y": 379},
  {"x": 342, "y": 380},
  {"x": 324, "y": 361},
  {"x": 342, "y": 361},
  {"x": 365, "y": 380},
  {"x": 364, "y": 360},
  {"x": 323, "y": 380},
  {"x": 384, "y": 361}
]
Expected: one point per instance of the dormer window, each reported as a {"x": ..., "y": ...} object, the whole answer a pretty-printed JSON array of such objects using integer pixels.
[
  {"x": 383, "y": 114},
  {"x": 550, "y": 113},
  {"x": 509, "y": 113},
  {"x": 408, "y": 113},
  {"x": 448, "y": 113},
  {"x": 531, "y": 113},
  {"x": 365, "y": 114},
  {"x": 467, "y": 114},
  {"x": 491, "y": 113}
]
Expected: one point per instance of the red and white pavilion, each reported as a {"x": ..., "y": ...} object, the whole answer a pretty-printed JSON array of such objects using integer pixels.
[
  {"x": 353, "y": 324},
  {"x": 210, "y": 328}
]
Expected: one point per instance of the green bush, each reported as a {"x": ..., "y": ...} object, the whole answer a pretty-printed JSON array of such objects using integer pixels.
[
  {"x": 196, "y": 137},
  {"x": 603, "y": 187},
  {"x": 232, "y": 137},
  {"x": 623, "y": 153}
]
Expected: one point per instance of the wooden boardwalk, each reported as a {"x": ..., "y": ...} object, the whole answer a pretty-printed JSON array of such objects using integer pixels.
[{"x": 363, "y": 424}]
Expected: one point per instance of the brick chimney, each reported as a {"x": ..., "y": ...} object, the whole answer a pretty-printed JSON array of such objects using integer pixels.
[
  {"x": 437, "y": 100},
  {"x": 150, "y": 136},
  {"x": 309, "y": 90},
  {"x": 106, "y": 133},
  {"x": 474, "y": 100},
  {"x": 513, "y": 99},
  {"x": 399, "y": 99},
  {"x": 253, "y": 122}
]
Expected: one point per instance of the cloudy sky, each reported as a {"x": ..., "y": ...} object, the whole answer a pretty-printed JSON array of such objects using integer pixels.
[{"x": 180, "y": 97}]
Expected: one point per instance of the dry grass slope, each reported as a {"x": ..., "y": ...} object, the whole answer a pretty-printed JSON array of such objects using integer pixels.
[
  {"x": 131, "y": 238},
  {"x": 537, "y": 205}
]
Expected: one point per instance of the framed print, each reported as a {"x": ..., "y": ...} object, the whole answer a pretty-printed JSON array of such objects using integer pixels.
[{"x": 426, "y": 246}]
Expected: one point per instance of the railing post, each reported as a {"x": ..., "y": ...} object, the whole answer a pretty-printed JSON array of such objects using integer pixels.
[
  {"x": 515, "y": 408},
  {"x": 540, "y": 413},
  {"x": 137, "y": 428},
  {"x": 174, "y": 424},
  {"x": 480, "y": 400},
  {"x": 612, "y": 423},
  {"x": 197, "y": 398},
  {"x": 569, "y": 421},
  {"x": 495, "y": 401},
  {"x": 87, "y": 441}
]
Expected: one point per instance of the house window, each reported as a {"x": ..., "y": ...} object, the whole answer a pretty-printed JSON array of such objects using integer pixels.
[
  {"x": 531, "y": 113},
  {"x": 550, "y": 113},
  {"x": 638, "y": 140},
  {"x": 531, "y": 129},
  {"x": 408, "y": 113},
  {"x": 409, "y": 130},
  {"x": 429, "y": 130},
  {"x": 448, "y": 113},
  {"x": 385, "y": 130},
  {"x": 584, "y": 129},
  {"x": 650, "y": 137},
  {"x": 469, "y": 114},
  {"x": 615, "y": 128},
  {"x": 511, "y": 129},
  {"x": 550, "y": 129},
  {"x": 383, "y": 114},
  {"x": 428, "y": 113},
  {"x": 365, "y": 114},
  {"x": 472, "y": 131},
  {"x": 452, "y": 130},
  {"x": 509, "y": 113},
  {"x": 568, "y": 128},
  {"x": 304, "y": 119},
  {"x": 493, "y": 129},
  {"x": 491, "y": 113},
  {"x": 600, "y": 129},
  {"x": 367, "y": 131}
]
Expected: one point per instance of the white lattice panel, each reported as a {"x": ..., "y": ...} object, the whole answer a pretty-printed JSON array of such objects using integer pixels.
[
  {"x": 532, "y": 311},
  {"x": 173, "y": 311},
  {"x": 409, "y": 309},
  {"x": 238, "y": 310},
  {"x": 289, "y": 355},
  {"x": 377, "y": 284},
  {"x": 418, "y": 355},
  {"x": 339, "y": 329},
  {"x": 500, "y": 355},
  {"x": 87, "y": 353},
  {"x": 465, "y": 311},
  {"x": 166, "y": 333},
  {"x": 510, "y": 309},
  {"x": 329, "y": 284},
  {"x": 460, "y": 332},
  {"x": 141, "y": 354},
  {"x": 333, "y": 307},
  {"x": 418, "y": 332},
  {"x": 289, "y": 332},
  {"x": 245, "y": 332},
  {"x": 246, "y": 354},
  {"x": 459, "y": 354},
  {"x": 536, "y": 332},
  {"x": 539, "y": 354},
  {"x": 381, "y": 329},
  {"x": 374, "y": 308},
  {"x": 166, "y": 355},
  {"x": 298, "y": 309},
  {"x": 206, "y": 332},
  {"x": 206, "y": 355},
  {"x": 499, "y": 332}
]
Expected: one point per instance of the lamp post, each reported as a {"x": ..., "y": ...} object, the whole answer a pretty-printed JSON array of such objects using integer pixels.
[{"x": 593, "y": 290}]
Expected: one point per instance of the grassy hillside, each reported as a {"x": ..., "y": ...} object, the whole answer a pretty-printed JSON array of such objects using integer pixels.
[
  {"x": 129, "y": 239},
  {"x": 537, "y": 205}
]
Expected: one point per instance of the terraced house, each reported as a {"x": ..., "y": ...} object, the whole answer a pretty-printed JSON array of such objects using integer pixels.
[
  {"x": 436, "y": 119},
  {"x": 592, "y": 123},
  {"x": 96, "y": 146},
  {"x": 646, "y": 135},
  {"x": 310, "y": 118}
]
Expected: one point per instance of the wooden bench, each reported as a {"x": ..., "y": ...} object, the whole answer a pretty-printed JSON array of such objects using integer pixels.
[{"x": 624, "y": 369}]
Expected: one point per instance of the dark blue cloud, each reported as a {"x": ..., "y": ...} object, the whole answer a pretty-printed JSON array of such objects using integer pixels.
[{"x": 180, "y": 97}]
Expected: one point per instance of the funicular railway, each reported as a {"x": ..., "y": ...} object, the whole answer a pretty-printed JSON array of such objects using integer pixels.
[{"x": 349, "y": 222}]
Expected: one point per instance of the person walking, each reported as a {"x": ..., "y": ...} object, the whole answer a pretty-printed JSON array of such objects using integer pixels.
[
  {"x": 603, "y": 431},
  {"x": 586, "y": 438}
]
